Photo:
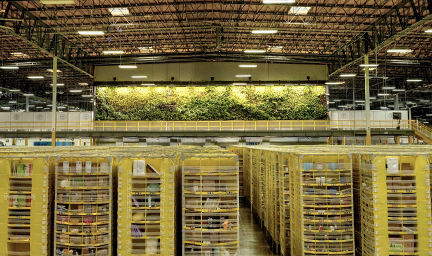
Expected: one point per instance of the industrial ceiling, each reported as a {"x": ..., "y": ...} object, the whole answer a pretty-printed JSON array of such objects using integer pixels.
[{"x": 332, "y": 32}]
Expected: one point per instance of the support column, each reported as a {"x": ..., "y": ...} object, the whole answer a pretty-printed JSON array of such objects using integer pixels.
[
  {"x": 26, "y": 142},
  {"x": 27, "y": 104},
  {"x": 54, "y": 103},
  {"x": 367, "y": 103},
  {"x": 397, "y": 140}
]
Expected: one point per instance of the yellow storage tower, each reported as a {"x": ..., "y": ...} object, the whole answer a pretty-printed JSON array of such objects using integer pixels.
[
  {"x": 396, "y": 204},
  {"x": 321, "y": 204},
  {"x": 210, "y": 205},
  {"x": 25, "y": 206},
  {"x": 146, "y": 206},
  {"x": 83, "y": 206},
  {"x": 284, "y": 204}
]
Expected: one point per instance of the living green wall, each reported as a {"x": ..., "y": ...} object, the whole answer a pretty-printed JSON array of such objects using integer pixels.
[{"x": 211, "y": 103}]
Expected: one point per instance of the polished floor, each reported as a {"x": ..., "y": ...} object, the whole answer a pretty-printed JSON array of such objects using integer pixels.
[{"x": 252, "y": 240}]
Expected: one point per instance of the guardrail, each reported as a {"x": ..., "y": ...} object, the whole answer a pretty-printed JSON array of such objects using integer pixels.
[{"x": 130, "y": 126}]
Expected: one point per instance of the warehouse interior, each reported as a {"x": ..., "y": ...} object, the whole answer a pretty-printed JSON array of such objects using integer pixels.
[{"x": 215, "y": 128}]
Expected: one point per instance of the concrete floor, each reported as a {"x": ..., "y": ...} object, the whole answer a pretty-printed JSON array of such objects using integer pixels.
[{"x": 252, "y": 240}]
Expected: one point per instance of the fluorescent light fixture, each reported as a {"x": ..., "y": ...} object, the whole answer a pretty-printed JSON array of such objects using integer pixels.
[
  {"x": 425, "y": 122},
  {"x": 39, "y": 107},
  {"x": 82, "y": 84},
  {"x": 331, "y": 102},
  {"x": 254, "y": 51},
  {"x": 138, "y": 77},
  {"x": 399, "y": 90},
  {"x": 384, "y": 108},
  {"x": 128, "y": 66},
  {"x": 337, "y": 100},
  {"x": 49, "y": 105},
  {"x": 278, "y": 1},
  {"x": 113, "y": 52},
  {"x": 429, "y": 31},
  {"x": 14, "y": 90},
  {"x": 299, "y": 10},
  {"x": 248, "y": 66},
  {"x": 75, "y": 91},
  {"x": 343, "y": 106},
  {"x": 388, "y": 87},
  {"x": 52, "y": 71},
  {"x": 243, "y": 75},
  {"x": 91, "y": 33},
  {"x": 119, "y": 11},
  {"x": 414, "y": 80},
  {"x": 87, "y": 95},
  {"x": 17, "y": 53},
  {"x": 46, "y": 2},
  {"x": 330, "y": 83},
  {"x": 28, "y": 94},
  {"x": 148, "y": 84},
  {"x": 13, "y": 101},
  {"x": 359, "y": 101},
  {"x": 372, "y": 98},
  {"x": 369, "y": 65},
  {"x": 35, "y": 77},
  {"x": 383, "y": 94},
  {"x": 5, "y": 108},
  {"x": 9, "y": 67},
  {"x": 270, "y": 31},
  {"x": 57, "y": 84},
  {"x": 239, "y": 84},
  {"x": 46, "y": 108},
  {"x": 61, "y": 107},
  {"x": 399, "y": 50},
  {"x": 348, "y": 75}
]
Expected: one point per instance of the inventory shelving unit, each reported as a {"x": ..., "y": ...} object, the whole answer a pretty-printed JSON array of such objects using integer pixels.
[
  {"x": 321, "y": 204},
  {"x": 146, "y": 205},
  {"x": 25, "y": 211},
  {"x": 83, "y": 206},
  {"x": 284, "y": 203},
  {"x": 210, "y": 204}
]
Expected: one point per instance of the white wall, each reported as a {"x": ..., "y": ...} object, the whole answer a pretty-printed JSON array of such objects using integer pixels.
[
  {"x": 221, "y": 71},
  {"x": 357, "y": 119}
]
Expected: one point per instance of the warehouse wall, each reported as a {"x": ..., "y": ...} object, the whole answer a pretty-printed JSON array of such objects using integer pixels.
[{"x": 203, "y": 71}]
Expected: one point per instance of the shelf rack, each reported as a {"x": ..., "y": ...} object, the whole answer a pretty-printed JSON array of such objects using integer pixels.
[
  {"x": 146, "y": 205},
  {"x": 83, "y": 206},
  {"x": 239, "y": 151},
  {"x": 210, "y": 204},
  {"x": 395, "y": 188},
  {"x": 284, "y": 203},
  {"x": 25, "y": 213},
  {"x": 321, "y": 204}
]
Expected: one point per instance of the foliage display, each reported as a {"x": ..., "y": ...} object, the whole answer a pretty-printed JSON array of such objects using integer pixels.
[{"x": 211, "y": 103}]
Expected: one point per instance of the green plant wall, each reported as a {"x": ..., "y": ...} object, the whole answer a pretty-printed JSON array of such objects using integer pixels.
[{"x": 211, "y": 103}]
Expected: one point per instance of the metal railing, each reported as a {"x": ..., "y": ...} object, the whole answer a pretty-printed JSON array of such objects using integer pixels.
[
  {"x": 424, "y": 130},
  {"x": 282, "y": 125}
]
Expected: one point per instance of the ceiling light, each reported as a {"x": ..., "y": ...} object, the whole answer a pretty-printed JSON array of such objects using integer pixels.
[
  {"x": 248, "y": 66},
  {"x": 399, "y": 50},
  {"x": 239, "y": 84},
  {"x": 39, "y": 107},
  {"x": 57, "y": 84},
  {"x": 52, "y": 71},
  {"x": 372, "y": 98},
  {"x": 278, "y": 1},
  {"x": 75, "y": 91},
  {"x": 337, "y": 100},
  {"x": 87, "y": 95},
  {"x": 275, "y": 48},
  {"x": 388, "y": 87},
  {"x": 329, "y": 83},
  {"x": 91, "y": 33},
  {"x": 343, "y": 106},
  {"x": 270, "y": 31},
  {"x": 359, "y": 101},
  {"x": 12, "y": 101},
  {"x": 5, "y": 108},
  {"x": 331, "y": 102},
  {"x": 128, "y": 66},
  {"x": 46, "y": 108},
  {"x": 9, "y": 67},
  {"x": 299, "y": 10},
  {"x": 243, "y": 75},
  {"x": 429, "y": 31},
  {"x": 254, "y": 51},
  {"x": 14, "y": 90},
  {"x": 368, "y": 65},
  {"x": 113, "y": 52},
  {"x": 148, "y": 84},
  {"x": 119, "y": 11},
  {"x": 49, "y": 105},
  {"x": 348, "y": 75},
  {"x": 82, "y": 84},
  {"x": 383, "y": 94},
  {"x": 137, "y": 77},
  {"x": 398, "y": 90},
  {"x": 61, "y": 107},
  {"x": 28, "y": 94},
  {"x": 46, "y": 2},
  {"x": 35, "y": 77},
  {"x": 370, "y": 69},
  {"x": 414, "y": 80},
  {"x": 17, "y": 53}
]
